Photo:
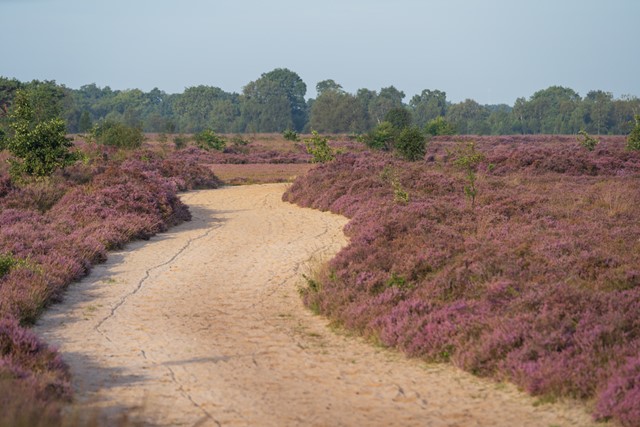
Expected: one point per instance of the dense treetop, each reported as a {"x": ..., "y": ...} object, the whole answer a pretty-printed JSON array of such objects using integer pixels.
[{"x": 276, "y": 101}]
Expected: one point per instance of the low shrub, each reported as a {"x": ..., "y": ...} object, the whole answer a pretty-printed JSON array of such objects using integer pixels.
[
  {"x": 209, "y": 140},
  {"x": 117, "y": 134},
  {"x": 410, "y": 144}
]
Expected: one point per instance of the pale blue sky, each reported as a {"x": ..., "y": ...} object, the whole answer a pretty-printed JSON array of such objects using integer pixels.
[{"x": 492, "y": 50}]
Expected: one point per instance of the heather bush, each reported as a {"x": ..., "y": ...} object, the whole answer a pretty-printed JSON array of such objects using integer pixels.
[{"x": 538, "y": 285}]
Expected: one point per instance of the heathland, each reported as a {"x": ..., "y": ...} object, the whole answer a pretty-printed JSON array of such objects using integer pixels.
[{"x": 514, "y": 258}]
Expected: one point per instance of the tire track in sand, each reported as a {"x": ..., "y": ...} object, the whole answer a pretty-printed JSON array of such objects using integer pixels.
[{"x": 203, "y": 326}]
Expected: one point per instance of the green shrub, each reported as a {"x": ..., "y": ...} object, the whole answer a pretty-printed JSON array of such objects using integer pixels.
[
  {"x": 411, "y": 143},
  {"x": 116, "y": 134},
  {"x": 7, "y": 262},
  {"x": 291, "y": 135},
  {"x": 180, "y": 141},
  {"x": 439, "y": 126},
  {"x": 587, "y": 141},
  {"x": 318, "y": 147},
  {"x": 209, "y": 140},
  {"x": 38, "y": 148},
  {"x": 468, "y": 158},
  {"x": 633, "y": 140},
  {"x": 381, "y": 137}
]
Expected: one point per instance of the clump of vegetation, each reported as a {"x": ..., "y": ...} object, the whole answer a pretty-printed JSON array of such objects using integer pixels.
[
  {"x": 7, "y": 262},
  {"x": 439, "y": 126},
  {"x": 38, "y": 147},
  {"x": 411, "y": 144},
  {"x": 209, "y": 140},
  {"x": 291, "y": 135},
  {"x": 381, "y": 137},
  {"x": 116, "y": 134},
  {"x": 587, "y": 141},
  {"x": 533, "y": 287},
  {"x": 400, "y": 194},
  {"x": 318, "y": 147},
  {"x": 468, "y": 158},
  {"x": 180, "y": 141},
  {"x": 633, "y": 140},
  {"x": 399, "y": 117}
]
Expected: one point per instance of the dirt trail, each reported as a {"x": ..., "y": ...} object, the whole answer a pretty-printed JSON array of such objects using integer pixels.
[{"x": 203, "y": 326}]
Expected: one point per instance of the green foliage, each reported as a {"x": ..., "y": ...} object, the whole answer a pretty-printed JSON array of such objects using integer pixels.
[
  {"x": 291, "y": 135},
  {"x": 117, "y": 134},
  {"x": 84, "y": 125},
  {"x": 209, "y": 140},
  {"x": 410, "y": 143},
  {"x": 399, "y": 117},
  {"x": 633, "y": 140},
  {"x": 318, "y": 147},
  {"x": 400, "y": 195},
  {"x": 7, "y": 262},
  {"x": 381, "y": 137},
  {"x": 587, "y": 141},
  {"x": 180, "y": 141},
  {"x": 38, "y": 147},
  {"x": 439, "y": 126},
  {"x": 468, "y": 158}
]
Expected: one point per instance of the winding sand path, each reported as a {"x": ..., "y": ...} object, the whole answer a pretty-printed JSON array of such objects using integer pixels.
[{"x": 203, "y": 326}]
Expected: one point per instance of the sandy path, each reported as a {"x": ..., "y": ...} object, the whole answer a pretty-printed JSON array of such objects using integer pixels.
[{"x": 203, "y": 326}]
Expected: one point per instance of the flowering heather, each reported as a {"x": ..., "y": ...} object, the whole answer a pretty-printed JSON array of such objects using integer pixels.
[
  {"x": 52, "y": 232},
  {"x": 539, "y": 284}
]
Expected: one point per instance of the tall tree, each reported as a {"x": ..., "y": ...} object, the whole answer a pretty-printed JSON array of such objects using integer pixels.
[
  {"x": 599, "y": 111},
  {"x": 428, "y": 105},
  {"x": 335, "y": 112},
  {"x": 275, "y": 102},
  {"x": 469, "y": 117},
  {"x": 387, "y": 99}
]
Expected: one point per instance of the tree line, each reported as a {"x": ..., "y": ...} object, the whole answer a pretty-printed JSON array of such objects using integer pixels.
[{"x": 276, "y": 102}]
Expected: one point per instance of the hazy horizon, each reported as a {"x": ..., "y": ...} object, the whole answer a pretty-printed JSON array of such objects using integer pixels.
[{"x": 493, "y": 52}]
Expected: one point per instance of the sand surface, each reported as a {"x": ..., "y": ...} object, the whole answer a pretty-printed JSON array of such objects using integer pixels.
[{"x": 203, "y": 326}]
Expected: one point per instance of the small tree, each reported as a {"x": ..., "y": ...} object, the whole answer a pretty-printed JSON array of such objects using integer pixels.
[
  {"x": 587, "y": 141},
  {"x": 209, "y": 140},
  {"x": 633, "y": 140},
  {"x": 468, "y": 158},
  {"x": 318, "y": 147},
  {"x": 381, "y": 138},
  {"x": 411, "y": 143},
  {"x": 38, "y": 148}
]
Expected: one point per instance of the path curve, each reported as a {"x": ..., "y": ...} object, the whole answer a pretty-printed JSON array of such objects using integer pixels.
[{"x": 203, "y": 326}]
